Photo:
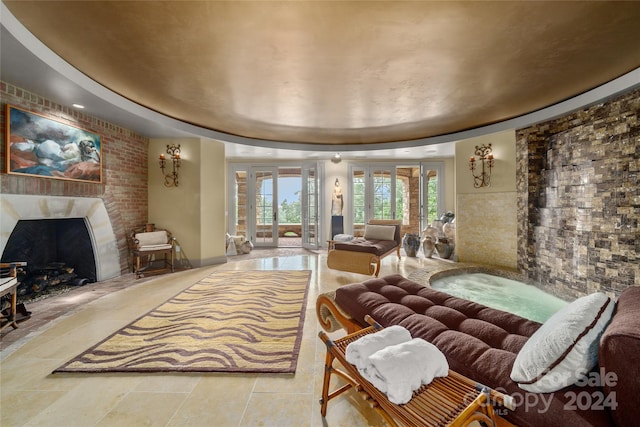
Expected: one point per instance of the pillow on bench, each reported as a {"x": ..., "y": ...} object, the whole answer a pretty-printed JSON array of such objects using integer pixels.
[
  {"x": 379, "y": 232},
  {"x": 565, "y": 347},
  {"x": 153, "y": 240}
]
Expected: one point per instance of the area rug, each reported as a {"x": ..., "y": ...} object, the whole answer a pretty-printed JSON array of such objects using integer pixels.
[{"x": 230, "y": 321}]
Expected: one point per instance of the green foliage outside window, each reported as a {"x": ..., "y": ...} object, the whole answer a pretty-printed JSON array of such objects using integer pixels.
[
  {"x": 290, "y": 213},
  {"x": 432, "y": 199}
]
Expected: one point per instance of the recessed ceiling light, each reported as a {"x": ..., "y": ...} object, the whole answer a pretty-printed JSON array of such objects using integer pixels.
[{"x": 80, "y": 106}]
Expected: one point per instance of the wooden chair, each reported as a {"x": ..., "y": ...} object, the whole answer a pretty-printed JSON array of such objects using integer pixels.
[
  {"x": 9, "y": 286},
  {"x": 147, "y": 245}
]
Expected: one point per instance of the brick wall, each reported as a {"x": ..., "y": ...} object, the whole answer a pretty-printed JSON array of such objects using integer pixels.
[
  {"x": 579, "y": 199},
  {"x": 124, "y": 166}
]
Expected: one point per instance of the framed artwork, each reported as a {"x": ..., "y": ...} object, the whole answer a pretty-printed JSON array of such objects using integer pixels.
[{"x": 44, "y": 147}]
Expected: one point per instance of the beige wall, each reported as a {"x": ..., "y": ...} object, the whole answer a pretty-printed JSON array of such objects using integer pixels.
[
  {"x": 449, "y": 184},
  {"x": 486, "y": 218},
  {"x": 195, "y": 210}
]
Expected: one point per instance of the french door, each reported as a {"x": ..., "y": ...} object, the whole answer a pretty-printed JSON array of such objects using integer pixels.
[
  {"x": 412, "y": 193},
  {"x": 254, "y": 204},
  {"x": 372, "y": 193}
]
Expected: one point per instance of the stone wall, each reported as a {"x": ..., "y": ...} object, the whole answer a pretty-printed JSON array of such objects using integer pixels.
[
  {"x": 579, "y": 199},
  {"x": 124, "y": 167}
]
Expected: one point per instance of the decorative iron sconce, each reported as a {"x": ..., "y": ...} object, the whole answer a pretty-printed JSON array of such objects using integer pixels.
[
  {"x": 171, "y": 179},
  {"x": 485, "y": 155}
]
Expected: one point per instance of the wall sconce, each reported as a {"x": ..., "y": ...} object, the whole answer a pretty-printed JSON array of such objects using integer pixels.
[
  {"x": 484, "y": 153},
  {"x": 337, "y": 158},
  {"x": 171, "y": 179}
]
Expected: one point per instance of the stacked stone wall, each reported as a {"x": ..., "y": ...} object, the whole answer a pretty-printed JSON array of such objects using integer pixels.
[{"x": 579, "y": 199}]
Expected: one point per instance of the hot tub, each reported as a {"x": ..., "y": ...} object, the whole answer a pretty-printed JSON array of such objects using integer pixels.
[{"x": 501, "y": 293}]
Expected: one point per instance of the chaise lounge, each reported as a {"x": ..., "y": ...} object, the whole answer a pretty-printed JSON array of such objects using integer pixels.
[
  {"x": 363, "y": 255},
  {"x": 483, "y": 344}
]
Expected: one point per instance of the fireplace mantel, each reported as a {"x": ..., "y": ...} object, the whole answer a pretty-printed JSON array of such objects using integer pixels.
[{"x": 16, "y": 207}]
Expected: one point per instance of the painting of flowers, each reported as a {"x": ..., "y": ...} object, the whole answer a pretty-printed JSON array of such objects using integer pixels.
[{"x": 41, "y": 146}]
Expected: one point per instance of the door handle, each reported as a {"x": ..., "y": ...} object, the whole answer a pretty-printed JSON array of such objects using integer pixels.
[{"x": 275, "y": 216}]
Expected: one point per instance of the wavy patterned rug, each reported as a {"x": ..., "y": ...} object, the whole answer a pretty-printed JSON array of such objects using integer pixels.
[{"x": 230, "y": 321}]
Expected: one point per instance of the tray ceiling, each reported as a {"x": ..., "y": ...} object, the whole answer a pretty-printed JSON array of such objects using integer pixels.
[{"x": 341, "y": 72}]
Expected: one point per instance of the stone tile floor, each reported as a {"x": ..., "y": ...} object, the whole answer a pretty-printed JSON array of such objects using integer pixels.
[{"x": 63, "y": 326}]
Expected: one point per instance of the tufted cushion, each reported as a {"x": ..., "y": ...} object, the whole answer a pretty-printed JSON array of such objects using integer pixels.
[
  {"x": 479, "y": 342},
  {"x": 376, "y": 247},
  {"x": 395, "y": 300}
]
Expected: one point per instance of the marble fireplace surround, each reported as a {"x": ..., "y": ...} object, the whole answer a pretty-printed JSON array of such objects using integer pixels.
[{"x": 16, "y": 207}]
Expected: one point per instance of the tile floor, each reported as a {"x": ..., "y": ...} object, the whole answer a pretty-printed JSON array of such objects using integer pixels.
[{"x": 65, "y": 325}]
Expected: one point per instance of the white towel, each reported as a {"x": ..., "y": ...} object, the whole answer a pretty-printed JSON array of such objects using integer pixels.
[
  {"x": 358, "y": 351},
  {"x": 400, "y": 369}
]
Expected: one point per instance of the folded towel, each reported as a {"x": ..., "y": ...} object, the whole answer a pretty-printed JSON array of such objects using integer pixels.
[
  {"x": 400, "y": 369},
  {"x": 358, "y": 351}
]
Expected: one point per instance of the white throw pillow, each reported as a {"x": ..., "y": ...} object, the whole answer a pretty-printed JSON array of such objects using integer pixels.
[
  {"x": 565, "y": 347},
  {"x": 152, "y": 238},
  {"x": 379, "y": 232}
]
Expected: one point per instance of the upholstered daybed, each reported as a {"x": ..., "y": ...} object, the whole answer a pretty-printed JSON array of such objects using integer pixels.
[
  {"x": 363, "y": 255},
  {"x": 485, "y": 344}
]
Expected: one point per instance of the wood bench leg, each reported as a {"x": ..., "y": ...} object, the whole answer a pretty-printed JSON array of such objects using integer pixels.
[
  {"x": 326, "y": 381},
  {"x": 11, "y": 318},
  {"x": 138, "y": 265},
  {"x": 328, "y": 366}
]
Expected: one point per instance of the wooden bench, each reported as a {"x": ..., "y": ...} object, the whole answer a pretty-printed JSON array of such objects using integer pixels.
[
  {"x": 9, "y": 286},
  {"x": 453, "y": 400},
  {"x": 147, "y": 245}
]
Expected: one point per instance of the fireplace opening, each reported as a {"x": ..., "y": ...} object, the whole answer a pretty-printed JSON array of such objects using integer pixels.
[{"x": 58, "y": 252}]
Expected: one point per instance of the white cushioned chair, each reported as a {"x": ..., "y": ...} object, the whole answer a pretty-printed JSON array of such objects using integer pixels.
[{"x": 149, "y": 244}]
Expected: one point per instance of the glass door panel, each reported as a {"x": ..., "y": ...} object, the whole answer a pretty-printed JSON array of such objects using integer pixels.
[
  {"x": 310, "y": 208},
  {"x": 383, "y": 194},
  {"x": 289, "y": 207},
  {"x": 239, "y": 213},
  {"x": 407, "y": 198},
  {"x": 265, "y": 215},
  {"x": 359, "y": 206},
  {"x": 432, "y": 193}
]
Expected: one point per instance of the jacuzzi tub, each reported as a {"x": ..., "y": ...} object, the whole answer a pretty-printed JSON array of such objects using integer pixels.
[{"x": 498, "y": 292}]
